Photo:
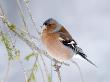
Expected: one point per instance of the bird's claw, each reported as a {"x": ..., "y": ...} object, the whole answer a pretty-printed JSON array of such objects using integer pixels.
[{"x": 57, "y": 67}]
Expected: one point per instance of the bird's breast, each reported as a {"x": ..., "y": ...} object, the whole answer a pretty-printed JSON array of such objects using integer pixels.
[{"x": 57, "y": 50}]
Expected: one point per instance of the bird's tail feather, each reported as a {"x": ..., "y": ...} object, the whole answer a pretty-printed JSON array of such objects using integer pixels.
[
  {"x": 81, "y": 75},
  {"x": 80, "y": 52},
  {"x": 82, "y": 55}
]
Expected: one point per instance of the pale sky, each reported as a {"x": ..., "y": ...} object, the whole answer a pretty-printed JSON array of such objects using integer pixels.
[{"x": 88, "y": 21}]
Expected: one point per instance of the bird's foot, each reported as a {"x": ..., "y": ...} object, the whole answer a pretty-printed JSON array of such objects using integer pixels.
[{"x": 57, "y": 66}]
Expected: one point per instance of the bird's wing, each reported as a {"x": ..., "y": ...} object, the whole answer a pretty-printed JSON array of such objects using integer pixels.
[
  {"x": 67, "y": 40},
  {"x": 65, "y": 37}
]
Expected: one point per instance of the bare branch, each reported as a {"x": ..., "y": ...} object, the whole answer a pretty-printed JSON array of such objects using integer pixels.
[{"x": 7, "y": 72}]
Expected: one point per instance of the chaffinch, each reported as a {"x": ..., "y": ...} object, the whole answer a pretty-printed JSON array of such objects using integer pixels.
[{"x": 59, "y": 43}]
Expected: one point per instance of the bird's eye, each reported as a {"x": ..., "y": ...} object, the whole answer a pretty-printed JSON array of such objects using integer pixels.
[{"x": 47, "y": 24}]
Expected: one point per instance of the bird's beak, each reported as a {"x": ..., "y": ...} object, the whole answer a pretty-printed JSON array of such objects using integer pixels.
[{"x": 43, "y": 27}]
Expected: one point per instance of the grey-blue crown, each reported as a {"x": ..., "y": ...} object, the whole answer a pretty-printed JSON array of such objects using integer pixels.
[{"x": 48, "y": 21}]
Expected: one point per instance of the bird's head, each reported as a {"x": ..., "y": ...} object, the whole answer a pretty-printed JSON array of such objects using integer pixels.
[{"x": 51, "y": 25}]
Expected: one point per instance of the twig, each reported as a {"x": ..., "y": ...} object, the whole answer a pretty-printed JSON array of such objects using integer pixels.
[
  {"x": 29, "y": 12},
  {"x": 46, "y": 70},
  {"x": 57, "y": 69},
  {"x": 7, "y": 72},
  {"x": 41, "y": 72},
  {"x": 23, "y": 69},
  {"x": 51, "y": 70},
  {"x": 59, "y": 75},
  {"x": 22, "y": 15},
  {"x": 34, "y": 65},
  {"x": 81, "y": 75}
]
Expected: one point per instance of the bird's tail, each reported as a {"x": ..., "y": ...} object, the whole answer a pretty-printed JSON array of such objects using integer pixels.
[
  {"x": 83, "y": 56},
  {"x": 80, "y": 52},
  {"x": 81, "y": 75}
]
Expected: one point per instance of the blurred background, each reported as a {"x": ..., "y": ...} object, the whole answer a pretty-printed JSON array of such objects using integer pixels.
[{"x": 88, "y": 21}]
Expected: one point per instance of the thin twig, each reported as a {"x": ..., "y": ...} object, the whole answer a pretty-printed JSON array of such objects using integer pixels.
[
  {"x": 7, "y": 72},
  {"x": 57, "y": 69},
  {"x": 81, "y": 75},
  {"x": 51, "y": 70},
  {"x": 59, "y": 76},
  {"x": 29, "y": 12},
  {"x": 46, "y": 70},
  {"x": 41, "y": 72},
  {"x": 23, "y": 69},
  {"x": 34, "y": 65},
  {"x": 22, "y": 15}
]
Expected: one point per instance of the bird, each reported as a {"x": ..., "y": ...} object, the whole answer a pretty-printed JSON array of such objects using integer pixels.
[{"x": 58, "y": 42}]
